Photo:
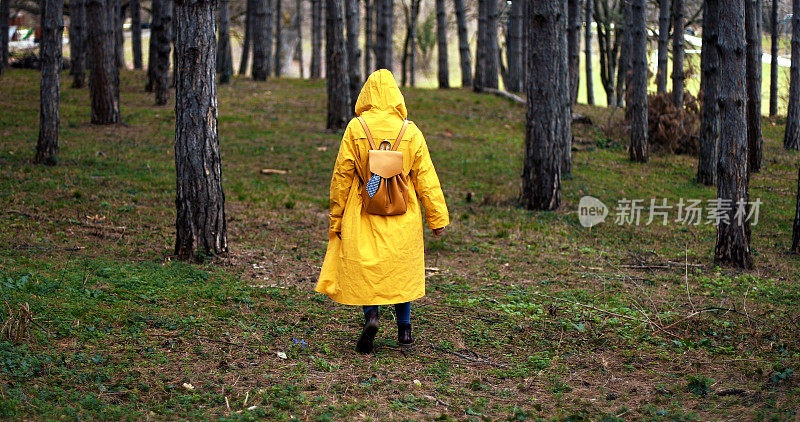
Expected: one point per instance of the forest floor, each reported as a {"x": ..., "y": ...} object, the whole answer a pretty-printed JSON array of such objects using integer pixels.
[{"x": 527, "y": 315}]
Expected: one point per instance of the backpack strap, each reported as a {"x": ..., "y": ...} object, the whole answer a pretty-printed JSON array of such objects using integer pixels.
[
  {"x": 366, "y": 130},
  {"x": 400, "y": 135}
]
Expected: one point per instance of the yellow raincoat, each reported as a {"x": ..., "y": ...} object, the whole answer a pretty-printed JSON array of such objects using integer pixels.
[{"x": 379, "y": 260}]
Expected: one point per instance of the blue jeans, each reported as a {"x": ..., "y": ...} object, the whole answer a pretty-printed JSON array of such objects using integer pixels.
[{"x": 403, "y": 311}]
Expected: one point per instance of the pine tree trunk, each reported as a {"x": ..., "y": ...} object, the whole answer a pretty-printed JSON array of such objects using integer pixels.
[
  {"x": 316, "y": 39},
  {"x": 50, "y": 46},
  {"x": 200, "y": 200},
  {"x": 152, "y": 54},
  {"x": 638, "y": 82},
  {"x": 493, "y": 49},
  {"x": 541, "y": 174},
  {"x": 368, "y": 36},
  {"x": 663, "y": 45},
  {"x": 77, "y": 41},
  {"x": 104, "y": 74},
  {"x": 677, "y": 53},
  {"x": 573, "y": 46},
  {"x": 753, "y": 33},
  {"x": 588, "y": 46},
  {"x": 4, "y": 18},
  {"x": 624, "y": 35},
  {"x": 353, "y": 52},
  {"x": 514, "y": 54},
  {"x": 733, "y": 233},
  {"x": 119, "y": 39},
  {"x": 299, "y": 29},
  {"x": 262, "y": 39},
  {"x": 481, "y": 50},
  {"x": 773, "y": 70},
  {"x": 278, "y": 38},
  {"x": 336, "y": 73},
  {"x": 791, "y": 138},
  {"x": 441, "y": 45},
  {"x": 412, "y": 33},
  {"x": 608, "y": 51},
  {"x": 248, "y": 36},
  {"x": 463, "y": 43},
  {"x": 385, "y": 31},
  {"x": 163, "y": 34},
  {"x": 709, "y": 124},
  {"x": 136, "y": 33},
  {"x": 224, "y": 55}
]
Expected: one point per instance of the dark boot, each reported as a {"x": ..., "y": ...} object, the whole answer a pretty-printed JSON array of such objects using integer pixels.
[
  {"x": 367, "y": 340},
  {"x": 404, "y": 334}
]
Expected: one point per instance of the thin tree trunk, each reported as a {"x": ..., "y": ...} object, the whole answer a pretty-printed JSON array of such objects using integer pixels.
[
  {"x": 353, "y": 52},
  {"x": 278, "y": 37},
  {"x": 709, "y": 124},
  {"x": 624, "y": 36},
  {"x": 163, "y": 35},
  {"x": 463, "y": 43},
  {"x": 514, "y": 55},
  {"x": 104, "y": 77},
  {"x": 316, "y": 39},
  {"x": 638, "y": 82},
  {"x": 4, "y": 18},
  {"x": 49, "y": 118},
  {"x": 441, "y": 42},
  {"x": 608, "y": 51},
  {"x": 119, "y": 44},
  {"x": 573, "y": 46},
  {"x": 677, "y": 53},
  {"x": 562, "y": 73},
  {"x": 385, "y": 31},
  {"x": 663, "y": 44},
  {"x": 339, "y": 110},
  {"x": 588, "y": 46},
  {"x": 77, "y": 40},
  {"x": 200, "y": 200},
  {"x": 299, "y": 28},
  {"x": 368, "y": 36},
  {"x": 773, "y": 70},
  {"x": 152, "y": 54},
  {"x": 791, "y": 138},
  {"x": 733, "y": 231},
  {"x": 412, "y": 33},
  {"x": 493, "y": 51},
  {"x": 753, "y": 33},
  {"x": 262, "y": 39},
  {"x": 541, "y": 174},
  {"x": 481, "y": 51},
  {"x": 248, "y": 36},
  {"x": 224, "y": 57},
  {"x": 136, "y": 33}
]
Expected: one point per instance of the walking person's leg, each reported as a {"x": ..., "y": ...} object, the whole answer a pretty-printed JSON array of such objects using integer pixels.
[
  {"x": 403, "y": 311},
  {"x": 367, "y": 340}
]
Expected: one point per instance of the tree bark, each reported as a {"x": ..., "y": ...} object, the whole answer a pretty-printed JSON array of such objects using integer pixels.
[
  {"x": 709, "y": 124},
  {"x": 262, "y": 39},
  {"x": 514, "y": 55},
  {"x": 77, "y": 41},
  {"x": 604, "y": 16},
  {"x": 385, "y": 31},
  {"x": 733, "y": 234},
  {"x": 316, "y": 39},
  {"x": 278, "y": 37},
  {"x": 588, "y": 46},
  {"x": 753, "y": 34},
  {"x": 638, "y": 82},
  {"x": 248, "y": 36},
  {"x": 136, "y": 33},
  {"x": 163, "y": 34},
  {"x": 104, "y": 76},
  {"x": 200, "y": 200},
  {"x": 353, "y": 52},
  {"x": 224, "y": 55},
  {"x": 368, "y": 36},
  {"x": 463, "y": 43},
  {"x": 119, "y": 39},
  {"x": 541, "y": 174},
  {"x": 339, "y": 110},
  {"x": 663, "y": 44},
  {"x": 443, "y": 72},
  {"x": 791, "y": 138},
  {"x": 412, "y": 34},
  {"x": 573, "y": 46},
  {"x": 773, "y": 70},
  {"x": 152, "y": 54},
  {"x": 677, "y": 53},
  {"x": 50, "y": 46},
  {"x": 624, "y": 68},
  {"x": 481, "y": 50},
  {"x": 4, "y": 18},
  {"x": 299, "y": 28},
  {"x": 493, "y": 51}
]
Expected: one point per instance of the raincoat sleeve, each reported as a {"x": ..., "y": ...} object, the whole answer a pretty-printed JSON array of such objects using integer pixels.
[
  {"x": 429, "y": 191},
  {"x": 342, "y": 179}
]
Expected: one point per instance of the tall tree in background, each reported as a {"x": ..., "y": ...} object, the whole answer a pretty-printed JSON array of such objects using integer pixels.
[
  {"x": 278, "y": 37},
  {"x": 514, "y": 81},
  {"x": 77, "y": 42},
  {"x": 463, "y": 43},
  {"x": 709, "y": 123},
  {"x": 262, "y": 39},
  {"x": 4, "y": 18},
  {"x": 588, "y": 10},
  {"x": 541, "y": 174},
  {"x": 753, "y": 34},
  {"x": 316, "y": 39},
  {"x": 368, "y": 36},
  {"x": 152, "y": 54},
  {"x": 608, "y": 43},
  {"x": 441, "y": 42},
  {"x": 677, "y": 53},
  {"x": 50, "y": 46},
  {"x": 733, "y": 231},
  {"x": 339, "y": 110},
  {"x": 298, "y": 22},
  {"x": 384, "y": 32},
  {"x": 410, "y": 44},
  {"x": 565, "y": 136},
  {"x": 637, "y": 86},
  {"x": 773, "y": 69},
  {"x": 481, "y": 50},
  {"x": 163, "y": 34},
  {"x": 119, "y": 38},
  {"x": 791, "y": 138},
  {"x": 136, "y": 33},
  {"x": 624, "y": 22},
  {"x": 574, "y": 23},
  {"x": 200, "y": 200},
  {"x": 492, "y": 74},
  {"x": 663, "y": 44},
  {"x": 224, "y": 55},
  {"x": 104, "y": 74},
  {"x": 248, "y": 36},
  {"x": 353, "y": 52}
]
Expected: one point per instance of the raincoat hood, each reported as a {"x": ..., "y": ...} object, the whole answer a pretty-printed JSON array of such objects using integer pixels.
[{"x": 381, "y": 92}]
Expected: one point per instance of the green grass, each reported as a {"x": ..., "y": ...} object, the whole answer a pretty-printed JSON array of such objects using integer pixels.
[{"x": 121, "y": 326}]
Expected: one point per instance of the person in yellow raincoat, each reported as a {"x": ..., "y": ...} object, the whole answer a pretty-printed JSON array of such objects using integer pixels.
[{"x": 374, "y": 259}]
